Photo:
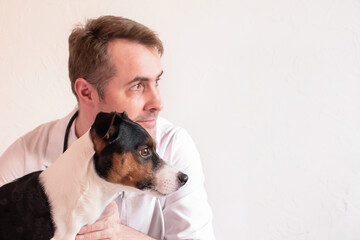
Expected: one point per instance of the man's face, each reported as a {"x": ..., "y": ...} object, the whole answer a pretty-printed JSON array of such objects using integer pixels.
[{"x": 134, "y": 88}]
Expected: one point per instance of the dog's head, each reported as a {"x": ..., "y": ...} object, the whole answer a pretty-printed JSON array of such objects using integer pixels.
[{"x": 126, "y": 154}]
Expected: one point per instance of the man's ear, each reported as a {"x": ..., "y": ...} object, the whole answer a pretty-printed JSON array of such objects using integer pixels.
[
  {"x": 85, "y": 92},
  {"x": 107, "y": 125}
]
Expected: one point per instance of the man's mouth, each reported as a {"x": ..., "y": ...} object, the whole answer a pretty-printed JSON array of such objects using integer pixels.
[{"x": 148, "y": 123}]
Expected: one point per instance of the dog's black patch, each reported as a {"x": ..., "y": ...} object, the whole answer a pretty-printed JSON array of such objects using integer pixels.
[
  {"x": 25, "y": 210},
  {"x": 144, "y": 184}
]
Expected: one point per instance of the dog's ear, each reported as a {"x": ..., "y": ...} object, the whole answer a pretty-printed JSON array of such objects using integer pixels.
[
  {"x": 124, "y": 115},
  {"x": 107, "y": 125}
]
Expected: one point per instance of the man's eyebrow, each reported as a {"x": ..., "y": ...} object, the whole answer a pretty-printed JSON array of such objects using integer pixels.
[
  {"x": 162, "y": 71},
  {"x": 144, "y": 79}
]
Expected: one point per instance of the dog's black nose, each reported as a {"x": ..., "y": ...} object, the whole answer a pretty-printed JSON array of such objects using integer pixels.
[{"x": 183, "y": 178}]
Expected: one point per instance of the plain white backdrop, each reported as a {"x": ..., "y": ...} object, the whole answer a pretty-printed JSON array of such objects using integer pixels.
[{"x": 269, "y": 90}]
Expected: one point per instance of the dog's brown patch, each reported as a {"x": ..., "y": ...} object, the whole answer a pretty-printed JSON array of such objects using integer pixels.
[
  {"x": 128, "y": 171},
  {"x": 150, "y": 142},
  {"x": 98, "y": 142}
]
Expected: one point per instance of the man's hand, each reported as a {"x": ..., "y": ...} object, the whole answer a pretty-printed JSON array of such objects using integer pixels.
[{"x": 108, "y": 227}]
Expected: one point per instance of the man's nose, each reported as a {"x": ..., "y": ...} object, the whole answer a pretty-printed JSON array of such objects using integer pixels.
[{"x": 153, "y": 101}]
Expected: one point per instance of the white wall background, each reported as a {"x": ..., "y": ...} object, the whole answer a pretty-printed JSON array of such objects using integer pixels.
[{"x": 269, "y": 90}]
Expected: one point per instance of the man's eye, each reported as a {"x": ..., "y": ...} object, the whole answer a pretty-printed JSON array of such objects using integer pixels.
[
  {"x": 145, "y": 152},
  {"x": 137, "y": 87}
]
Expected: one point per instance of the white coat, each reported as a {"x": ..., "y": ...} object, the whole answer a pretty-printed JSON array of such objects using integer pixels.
[{"x": 187, "y": 213}]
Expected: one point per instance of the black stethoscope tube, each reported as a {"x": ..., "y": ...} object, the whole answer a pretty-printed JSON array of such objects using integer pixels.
[{"x": 67, "y": 131}]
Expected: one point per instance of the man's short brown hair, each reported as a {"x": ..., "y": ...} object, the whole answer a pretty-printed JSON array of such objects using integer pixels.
[{"x": 88, "y": 48}]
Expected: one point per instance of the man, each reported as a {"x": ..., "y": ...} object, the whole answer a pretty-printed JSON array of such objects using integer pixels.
[{"x": 114, "y": 65}]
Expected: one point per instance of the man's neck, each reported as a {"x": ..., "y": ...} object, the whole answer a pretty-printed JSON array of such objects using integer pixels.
[{"x": 82, "y": 124}]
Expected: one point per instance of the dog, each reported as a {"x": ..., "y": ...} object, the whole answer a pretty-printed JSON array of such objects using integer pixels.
[{"x": 115, "y": 155}]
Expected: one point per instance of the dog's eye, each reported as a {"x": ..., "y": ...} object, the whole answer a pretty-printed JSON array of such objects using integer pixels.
[{"x": 145, "y": 152}]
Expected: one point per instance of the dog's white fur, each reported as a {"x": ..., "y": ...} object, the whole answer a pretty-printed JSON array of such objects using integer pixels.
[
  {"x": 166, "y": 180},
  {"x": 82, "y": 195}
]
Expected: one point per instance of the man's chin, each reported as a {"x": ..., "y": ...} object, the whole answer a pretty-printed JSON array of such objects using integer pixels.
[{"x": 151, "y": 131}]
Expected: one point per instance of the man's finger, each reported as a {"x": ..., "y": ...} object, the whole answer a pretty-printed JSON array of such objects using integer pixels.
[
  {"x": 110, "y": 209},
  {"x": 99, "y": 225},
  {"x": 96, "y": 226},
  {"x": 106, "y": 234}
]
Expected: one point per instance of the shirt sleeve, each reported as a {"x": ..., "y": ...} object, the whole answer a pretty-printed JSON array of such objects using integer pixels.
[
  {"x": 12, "y": 162},
  {"x": 187, "y": 212}
]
